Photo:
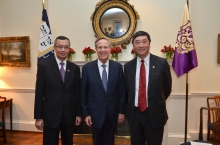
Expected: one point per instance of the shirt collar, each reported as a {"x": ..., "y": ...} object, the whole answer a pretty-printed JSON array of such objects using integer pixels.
[
  {"x": 58, "y": 61},
  {"x": 100, "y": 63},
  {"x": 146, "y": 59}
]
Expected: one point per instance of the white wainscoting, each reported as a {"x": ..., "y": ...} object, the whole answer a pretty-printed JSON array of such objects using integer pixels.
[{"x": 23, "y": 112}]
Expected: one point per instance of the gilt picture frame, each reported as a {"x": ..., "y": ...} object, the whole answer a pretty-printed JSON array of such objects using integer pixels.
[{"x": 15, "y": 51}]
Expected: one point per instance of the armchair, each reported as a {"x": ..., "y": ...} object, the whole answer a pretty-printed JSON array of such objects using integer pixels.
[
  {"x": 213, "y": 125},
  {"x": 212, "y": 102}
]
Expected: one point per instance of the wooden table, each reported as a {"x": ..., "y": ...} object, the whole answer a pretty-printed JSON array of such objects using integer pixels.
[{"x": 8, "y": 104}]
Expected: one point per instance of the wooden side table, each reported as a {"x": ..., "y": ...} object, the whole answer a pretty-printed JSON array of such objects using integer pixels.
[{"x": 8, "y": 104}]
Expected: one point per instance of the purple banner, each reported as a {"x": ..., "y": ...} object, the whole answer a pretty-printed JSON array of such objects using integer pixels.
[{"x": 185, "y": 58}]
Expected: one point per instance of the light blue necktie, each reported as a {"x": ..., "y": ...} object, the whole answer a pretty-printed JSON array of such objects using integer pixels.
[
  {"x": 104, "y": 77},
  {"x": 62, "y": 71}
]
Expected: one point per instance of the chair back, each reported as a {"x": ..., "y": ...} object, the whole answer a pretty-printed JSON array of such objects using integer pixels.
[{"x": 213, "y": 101}]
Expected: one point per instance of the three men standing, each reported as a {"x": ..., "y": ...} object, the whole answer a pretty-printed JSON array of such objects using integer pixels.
[{"x": 146, "y": 78}]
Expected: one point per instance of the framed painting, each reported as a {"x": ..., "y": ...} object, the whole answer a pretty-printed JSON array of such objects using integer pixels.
[
  {"x": 218, "y": 48},
  {"x": 15, "y": 51}
]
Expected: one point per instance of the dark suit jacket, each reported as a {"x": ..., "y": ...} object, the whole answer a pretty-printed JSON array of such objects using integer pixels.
[
  {"x": 95, "y": 101},
  {"x": 159, "y": 89},
  {"x": 53, "y": 97}
]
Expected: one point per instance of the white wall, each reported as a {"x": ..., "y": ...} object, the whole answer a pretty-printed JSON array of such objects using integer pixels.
[
  {"x": 161, "y": 18},
  {"x": 206, "y": 28}
]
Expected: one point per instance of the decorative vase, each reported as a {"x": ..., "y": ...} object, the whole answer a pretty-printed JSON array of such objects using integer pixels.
[
  {"x": 69, "y": 57},
  {"x": 114, "y": 56},
  {"x": 169, "y": 55},
  {"x": 134, "y": 55},
  {"x": 88, "y": 57}
]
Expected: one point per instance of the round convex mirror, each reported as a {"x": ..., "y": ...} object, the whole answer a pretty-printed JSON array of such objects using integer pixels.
[{"x": 114, "y": 22}]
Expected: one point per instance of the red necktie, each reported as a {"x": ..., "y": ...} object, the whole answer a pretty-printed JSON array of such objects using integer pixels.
[{"x": 142, "y": 104}]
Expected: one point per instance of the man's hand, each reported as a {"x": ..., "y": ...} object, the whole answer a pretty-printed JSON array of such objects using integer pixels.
[
  {"x": 78, "y": 120},
  {"x": 88, "y": 121},
  {"x": 39, "y": 123},
  {"x": 121, "y": 118}
]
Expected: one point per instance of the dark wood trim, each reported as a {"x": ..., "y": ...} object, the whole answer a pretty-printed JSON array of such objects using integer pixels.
[{"x": 218, "y": 60}]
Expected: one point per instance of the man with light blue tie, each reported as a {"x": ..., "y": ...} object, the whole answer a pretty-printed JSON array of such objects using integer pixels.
[{"x": 103, "y": 94}]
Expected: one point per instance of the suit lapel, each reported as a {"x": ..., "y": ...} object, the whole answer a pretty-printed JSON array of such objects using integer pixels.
[
  {"x": 152, "y": 69},
  {"x": 110, "y": 75},
  {"x": 96, "y": 73},
  {"x": 67, "y": 73},
  {"x": 55, "y": 69},
  {"x": 132, "y": 70}
]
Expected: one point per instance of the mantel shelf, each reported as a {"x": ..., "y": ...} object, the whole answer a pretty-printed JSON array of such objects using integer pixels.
[{"x": 81, "y": 63}]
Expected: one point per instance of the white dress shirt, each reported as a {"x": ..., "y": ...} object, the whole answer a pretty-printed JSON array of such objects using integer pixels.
[
  {"x": 59, "y": 65},
  {"x": 137, "y": 77},
  {"x": 101, "y": 68}
]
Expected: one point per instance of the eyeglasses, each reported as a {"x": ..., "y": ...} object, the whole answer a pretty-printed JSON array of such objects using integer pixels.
[{"x": 62, "y": 47}]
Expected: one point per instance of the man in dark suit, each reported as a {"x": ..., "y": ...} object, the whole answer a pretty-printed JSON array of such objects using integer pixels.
[
  {"x": 57, "y": 96},
  {"x": 148, "y": 82},
  {"x": 103, "y": 101}
]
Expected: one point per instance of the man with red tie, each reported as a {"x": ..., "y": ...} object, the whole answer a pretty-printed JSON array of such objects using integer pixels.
[{"x": 148, "y": 82}]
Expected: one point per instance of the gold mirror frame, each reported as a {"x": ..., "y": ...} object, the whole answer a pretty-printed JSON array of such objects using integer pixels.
[{"x": 104, "y": 5}]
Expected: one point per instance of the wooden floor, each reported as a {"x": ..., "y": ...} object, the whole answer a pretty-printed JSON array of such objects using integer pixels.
[{"x": 35, "y": 138}]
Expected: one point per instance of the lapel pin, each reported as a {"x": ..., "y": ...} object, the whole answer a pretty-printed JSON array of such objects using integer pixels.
[
  {"x": 153, "y": 67},
  {"x": 68, "y": 70}
]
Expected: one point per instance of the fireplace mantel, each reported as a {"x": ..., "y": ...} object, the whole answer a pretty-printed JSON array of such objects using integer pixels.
[{"x": 81, "y": 63}]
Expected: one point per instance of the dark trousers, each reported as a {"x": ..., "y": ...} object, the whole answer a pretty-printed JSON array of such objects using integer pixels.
[
  {"x": 142, "y": 131},
  {"x": 104, "y": 135},
  {"x": 51, "y": 135}
]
